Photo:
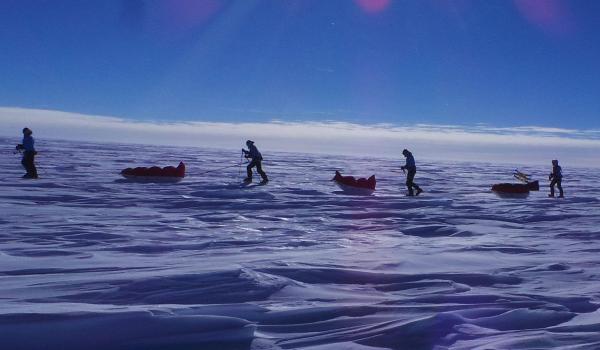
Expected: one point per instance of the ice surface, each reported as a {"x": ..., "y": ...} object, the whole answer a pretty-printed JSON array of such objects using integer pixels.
[{"x": 89, "y": 261}]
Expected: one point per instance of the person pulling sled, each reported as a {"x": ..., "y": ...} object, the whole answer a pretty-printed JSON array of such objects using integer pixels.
[
  {"x": 255, "y": 161},
  {"x": 556, "y": 179},
  {"x": 411, "y": 167},
  {"x": 28, "y": 148}
]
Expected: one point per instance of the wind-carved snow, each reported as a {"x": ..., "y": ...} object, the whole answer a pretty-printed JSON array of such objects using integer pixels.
[{"x": 91, "y": 261}]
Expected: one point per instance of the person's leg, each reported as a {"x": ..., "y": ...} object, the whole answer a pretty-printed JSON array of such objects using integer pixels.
[
  {"x": 419, "y": 190},
  {"x": 32, "y": 167},
  {"x": 24, "y": 163},
  {"x": 260, "y": 171},
  {"x": 415, "y": 186},
  {"x": 560, "y": 189},
  {"x": 412, "y": 180},
  {"x": 249, "y": 169},
  {"x": 409, "y": 181},
  {"x": 28, "y": 163},
  {"x": 552, "y": 183}
]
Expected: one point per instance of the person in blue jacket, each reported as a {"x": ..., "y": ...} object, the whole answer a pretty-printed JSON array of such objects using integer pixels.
[
  {"x": 255, "y": 161},
  {"x": 556, "y": 179},
  {"x": 28, "y": 148},
  {"x": 411, "y": 167}
]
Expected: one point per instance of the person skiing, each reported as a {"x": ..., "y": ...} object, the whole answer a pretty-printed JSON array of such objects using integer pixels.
[
  {"x": 411, "y": 167},
  {"x": 256, "y": 161},
  {"x": 28, "y": 148},
  {"x": 556, "y": 179}
]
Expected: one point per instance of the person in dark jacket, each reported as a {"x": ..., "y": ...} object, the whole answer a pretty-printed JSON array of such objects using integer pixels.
[
  {"x": 255, "y": 161},
  {"x": 556, "y": 179},
  {"x": 28, "y": 148},
  {"x": 411, "y": 167}
]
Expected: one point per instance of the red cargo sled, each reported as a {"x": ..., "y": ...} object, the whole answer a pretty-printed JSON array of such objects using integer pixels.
[
  {"x": 155, "y": 174},
  {"x": 515, "y": 190},
  {"x": 350, "y": 184}
]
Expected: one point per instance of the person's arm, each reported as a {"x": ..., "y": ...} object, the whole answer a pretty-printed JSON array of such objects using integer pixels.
[
  {"x": 19, "y": 147},
  {"x": 409, "y": 163}
]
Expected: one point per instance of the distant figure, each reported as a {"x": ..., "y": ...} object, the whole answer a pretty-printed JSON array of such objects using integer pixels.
[
  {"x": 256, "y": 161},
  {"x": 28, "y": 148},
  {"x": 556, "y": 179},
  {"x": 411, "y": 167}
]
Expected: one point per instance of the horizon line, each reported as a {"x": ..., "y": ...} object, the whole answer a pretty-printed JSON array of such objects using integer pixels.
[{"x": 457, "y": 142}]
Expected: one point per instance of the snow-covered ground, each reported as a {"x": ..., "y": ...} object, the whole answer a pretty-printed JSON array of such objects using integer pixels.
[{"x": 90, "y": 261}]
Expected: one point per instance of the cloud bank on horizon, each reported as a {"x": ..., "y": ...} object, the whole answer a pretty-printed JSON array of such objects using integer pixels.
[{"x": 525, "y": 144}]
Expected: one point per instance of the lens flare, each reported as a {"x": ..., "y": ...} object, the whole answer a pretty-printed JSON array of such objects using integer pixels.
[
  {"x": 552, "y": 16},
  {"x": 373, "y": 6}
]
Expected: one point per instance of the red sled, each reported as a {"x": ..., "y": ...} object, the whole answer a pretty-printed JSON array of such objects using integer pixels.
[
  {"x": 515, "y": 190},
  {"x": 158, "y": 174},
  {"x": 352, "y": 185}
]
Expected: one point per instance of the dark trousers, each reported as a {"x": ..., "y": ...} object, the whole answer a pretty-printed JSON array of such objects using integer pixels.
[
  {"x": 410, "y": 177},
  {"x": 256, "y": 163},
  {"x": 28, "y": 164},
  {"x": 557, "y": 183}
]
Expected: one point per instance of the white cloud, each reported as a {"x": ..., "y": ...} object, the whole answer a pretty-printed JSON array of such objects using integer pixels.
[{"x": 529, "y": 144}]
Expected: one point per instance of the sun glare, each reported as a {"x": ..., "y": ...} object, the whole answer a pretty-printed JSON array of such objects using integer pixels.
[{"x": 373, "y": 6}]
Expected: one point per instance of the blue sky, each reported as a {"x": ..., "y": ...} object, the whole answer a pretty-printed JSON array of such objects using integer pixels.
[{"x": 461, "y": 62}]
